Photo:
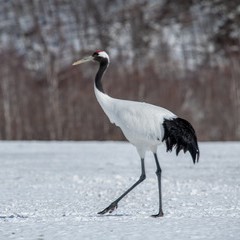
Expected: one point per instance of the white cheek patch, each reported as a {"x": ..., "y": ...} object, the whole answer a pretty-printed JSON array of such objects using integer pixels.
[{"x": 103, "y": 54}]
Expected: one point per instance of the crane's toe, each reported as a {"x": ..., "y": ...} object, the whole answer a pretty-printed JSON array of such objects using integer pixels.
[
  {"x": 110, "y": 208},
  {"x": 160, "y": 214}
]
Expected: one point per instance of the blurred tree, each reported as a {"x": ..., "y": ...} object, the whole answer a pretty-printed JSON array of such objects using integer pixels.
[{"x": 183, "y": 55}]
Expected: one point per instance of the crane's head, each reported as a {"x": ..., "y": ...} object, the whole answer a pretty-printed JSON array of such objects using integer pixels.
[{"x": 98, "y": 56}]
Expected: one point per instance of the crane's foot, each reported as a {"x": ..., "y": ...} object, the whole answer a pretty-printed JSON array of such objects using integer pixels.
[
  {"x": 110, "y": 208},
  {"x": 160, "y": 214}
]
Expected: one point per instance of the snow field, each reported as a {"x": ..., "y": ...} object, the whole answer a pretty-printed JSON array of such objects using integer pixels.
[{"x": 53, "y": 190}]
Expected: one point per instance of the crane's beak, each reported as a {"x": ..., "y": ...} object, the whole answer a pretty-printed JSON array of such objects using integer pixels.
[{"x": 86, "y": 59}]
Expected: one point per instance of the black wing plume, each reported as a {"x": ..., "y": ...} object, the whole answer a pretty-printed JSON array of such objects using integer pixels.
[{"x": 180, "y": 134}]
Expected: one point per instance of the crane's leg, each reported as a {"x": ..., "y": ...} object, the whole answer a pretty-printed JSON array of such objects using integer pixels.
[
  {"x": 114, "y": 204},
  {"x": 159, "y": 174}
]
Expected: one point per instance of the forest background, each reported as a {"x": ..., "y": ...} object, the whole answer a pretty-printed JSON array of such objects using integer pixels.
[{"x": 182, "y": 55}]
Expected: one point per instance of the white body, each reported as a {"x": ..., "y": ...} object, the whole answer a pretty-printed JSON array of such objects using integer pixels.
[{"x": 140, "y": 122}]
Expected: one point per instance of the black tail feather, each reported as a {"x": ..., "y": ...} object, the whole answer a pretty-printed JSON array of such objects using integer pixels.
[{"x": 180, "y": 134}]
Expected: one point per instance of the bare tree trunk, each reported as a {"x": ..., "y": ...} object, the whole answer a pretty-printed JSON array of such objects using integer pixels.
[
  {"x": 236, "y": 94},
  {"x": 5, "y": 82},
  {"x": 54, "y": 113}
]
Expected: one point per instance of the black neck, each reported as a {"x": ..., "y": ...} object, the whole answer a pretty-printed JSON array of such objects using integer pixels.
[{"x": 98, "y": 79}]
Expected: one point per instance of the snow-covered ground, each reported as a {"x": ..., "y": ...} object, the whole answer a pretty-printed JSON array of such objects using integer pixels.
[{"x": 53, "y": 190}]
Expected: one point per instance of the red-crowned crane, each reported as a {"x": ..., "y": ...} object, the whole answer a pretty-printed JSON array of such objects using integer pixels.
[{"x": 145, "y": 126}]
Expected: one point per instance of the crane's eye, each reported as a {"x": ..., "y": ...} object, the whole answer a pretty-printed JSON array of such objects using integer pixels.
[{"x": 95, "y": 54}]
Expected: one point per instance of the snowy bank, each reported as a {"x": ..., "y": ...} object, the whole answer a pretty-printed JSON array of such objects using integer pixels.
[{"x": 53, "y": 190}]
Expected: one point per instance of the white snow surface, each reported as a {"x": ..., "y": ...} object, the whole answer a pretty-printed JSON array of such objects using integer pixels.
[{"x": 53, "y": 190}]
